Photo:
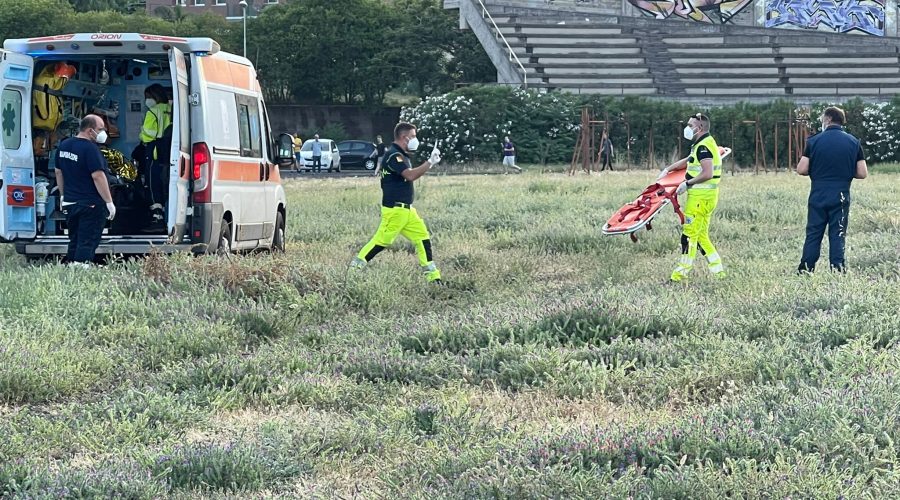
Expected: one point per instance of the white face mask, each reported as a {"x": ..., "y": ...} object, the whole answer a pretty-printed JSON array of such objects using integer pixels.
[
  {"x": 101, "y": 137},
  {"x": 413, "y": 144},
  {"x": 150, "y": 102},
  {"x": 689, "y": 133}
]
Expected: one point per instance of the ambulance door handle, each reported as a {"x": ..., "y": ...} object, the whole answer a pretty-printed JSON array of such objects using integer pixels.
[
  {"x": 262, "y": 172},
  {"x": 268, "y": 170},
  {"x": 182, "y": 167}
]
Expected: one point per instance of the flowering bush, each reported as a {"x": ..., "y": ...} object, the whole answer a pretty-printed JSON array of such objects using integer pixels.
[{"x": 470, "y": 124}]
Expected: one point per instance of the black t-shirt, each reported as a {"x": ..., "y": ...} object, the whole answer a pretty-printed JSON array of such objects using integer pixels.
[
  {"x": 703, "y": 153},
  {"x": 394, "y": 187},
  {"x": 832, "y": 155},
  {"x": 77, "y": 159},
  {"x": 381, "y": 147}
]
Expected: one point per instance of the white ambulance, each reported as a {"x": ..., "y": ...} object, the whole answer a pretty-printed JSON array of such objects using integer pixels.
[{"x": 224, "y": 182}]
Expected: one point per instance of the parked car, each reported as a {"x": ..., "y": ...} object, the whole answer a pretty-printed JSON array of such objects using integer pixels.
[
  {"x": 331, "y": 157},
  {"x": 358, "y": 154}
]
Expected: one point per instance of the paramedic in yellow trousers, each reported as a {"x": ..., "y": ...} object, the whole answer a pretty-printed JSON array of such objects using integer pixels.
[
  {"x": 704, "y": 171},
  {"x": 397, "y": 214}
]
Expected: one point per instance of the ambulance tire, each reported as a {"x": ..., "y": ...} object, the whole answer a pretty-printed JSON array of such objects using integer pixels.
[
  {"x": 224, "y": 247},
  {"x": 278, "y": 238}
]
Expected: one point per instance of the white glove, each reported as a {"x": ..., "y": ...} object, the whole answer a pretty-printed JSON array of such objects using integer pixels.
[
  {"x": 682, "y": 188},
  {"x": 435, "y": 157},
  {"x": 112, "y": 211},
  {"x": 662, "y": 173}
]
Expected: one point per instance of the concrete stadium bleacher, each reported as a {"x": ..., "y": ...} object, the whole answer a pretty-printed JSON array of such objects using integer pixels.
[{"x": 619, "y": 55}]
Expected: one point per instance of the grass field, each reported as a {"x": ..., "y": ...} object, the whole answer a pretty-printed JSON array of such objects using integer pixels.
[{"x": 556, "y": 363}]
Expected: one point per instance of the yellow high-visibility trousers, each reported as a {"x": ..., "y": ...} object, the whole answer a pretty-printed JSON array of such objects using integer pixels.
[
  {"x": 698, "y": 211},
  {"x": 396, "y": 221}
]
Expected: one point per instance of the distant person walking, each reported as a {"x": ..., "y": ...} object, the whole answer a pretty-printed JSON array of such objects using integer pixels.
[
  {"x": 398, "y": 217},
  {"x": 606, "y": 152},
  {"x": 317, "y": 154},
  {"x": 832, "y": 159},
  {"x": 509, "y": 155}
]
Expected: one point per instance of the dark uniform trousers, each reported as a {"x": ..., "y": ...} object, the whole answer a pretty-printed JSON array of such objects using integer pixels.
[
  {"x": 828, "y": 207},
  {"x": 85, "y": 223}
]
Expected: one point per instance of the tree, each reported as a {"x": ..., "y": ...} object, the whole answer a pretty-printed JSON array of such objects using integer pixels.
[{"x": 33, "y": 18}]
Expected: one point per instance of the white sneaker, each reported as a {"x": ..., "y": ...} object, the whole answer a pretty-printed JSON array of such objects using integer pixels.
[
  {"x": 357, "y": 263},
  {"x": 79, "y": 265}
]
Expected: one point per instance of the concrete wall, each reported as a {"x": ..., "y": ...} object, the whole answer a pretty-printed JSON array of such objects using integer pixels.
[
  {"x": 359, "y": 123},
  {"x": 860, "y": 17}
]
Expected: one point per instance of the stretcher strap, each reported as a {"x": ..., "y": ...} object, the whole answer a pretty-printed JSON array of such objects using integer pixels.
[{"x": 644, "y": 204}]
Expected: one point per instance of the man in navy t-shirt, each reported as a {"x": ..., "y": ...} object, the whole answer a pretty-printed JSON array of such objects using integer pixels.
[
  {"x": 832, "y": 159},
  {"x": 81, "y": 177}
]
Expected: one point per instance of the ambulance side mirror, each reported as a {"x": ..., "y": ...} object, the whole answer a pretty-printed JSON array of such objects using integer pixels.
[{"x": 285, "y": 147}]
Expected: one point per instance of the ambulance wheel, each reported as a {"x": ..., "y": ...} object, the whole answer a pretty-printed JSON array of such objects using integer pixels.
[
  {"x": 224, "y": 247},
  {"x": 278, "y": 239}
]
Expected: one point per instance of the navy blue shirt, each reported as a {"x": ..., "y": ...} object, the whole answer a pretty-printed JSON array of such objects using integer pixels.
[
  {"x": 394, "y": 187},
  {"x": 832, "y": 155},
  {"x": 77, "y": 159}
]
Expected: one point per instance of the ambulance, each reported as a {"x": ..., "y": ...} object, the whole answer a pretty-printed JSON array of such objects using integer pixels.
[{"x": 223, "y": 168}]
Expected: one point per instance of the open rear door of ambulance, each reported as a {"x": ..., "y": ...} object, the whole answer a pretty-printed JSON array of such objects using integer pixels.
[
  {"x": 179, "y": 165},
  {"x": 17, "y": 211}
]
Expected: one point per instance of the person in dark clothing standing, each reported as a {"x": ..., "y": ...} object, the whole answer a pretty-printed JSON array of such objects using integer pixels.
[
  {"x": 832, "y": 159},
  {"x": 397, "y": 214},
  {"x": 380, "y": 149},
  {"x": 81, "y": 176},
  {"x": 606, "y": 152}
]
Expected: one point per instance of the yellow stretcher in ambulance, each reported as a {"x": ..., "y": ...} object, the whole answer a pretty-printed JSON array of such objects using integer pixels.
[{"x": 220, "y": 161}]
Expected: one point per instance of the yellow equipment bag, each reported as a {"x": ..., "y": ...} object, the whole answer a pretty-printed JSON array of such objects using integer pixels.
[{"x": 47, "y": 110}]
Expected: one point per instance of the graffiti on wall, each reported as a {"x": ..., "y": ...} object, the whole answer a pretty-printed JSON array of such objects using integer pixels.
[
  {"x": 702, "y": 11},
  {"x": 841, "y": 16}
]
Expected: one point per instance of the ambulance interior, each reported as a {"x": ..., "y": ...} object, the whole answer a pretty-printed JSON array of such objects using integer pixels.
[{"x": 66, "y": 88}]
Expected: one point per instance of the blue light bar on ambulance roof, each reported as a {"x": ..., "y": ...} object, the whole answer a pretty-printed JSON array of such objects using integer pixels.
[{"x": 109, "y": 43}]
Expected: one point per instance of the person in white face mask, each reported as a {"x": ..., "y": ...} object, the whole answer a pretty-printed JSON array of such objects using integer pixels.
[
  {"x": 84, "y": 191},
  {"x": 157, "y": 119},
  {"x": 704, "y": 171},
  {"x": 397, "y": 214}
]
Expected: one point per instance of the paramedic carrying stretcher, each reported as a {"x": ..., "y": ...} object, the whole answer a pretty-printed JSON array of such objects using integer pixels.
[{"x": 704, "y": 171}]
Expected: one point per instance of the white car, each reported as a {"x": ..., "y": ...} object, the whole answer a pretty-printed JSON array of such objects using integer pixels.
[{"x": 331, "y": 157}]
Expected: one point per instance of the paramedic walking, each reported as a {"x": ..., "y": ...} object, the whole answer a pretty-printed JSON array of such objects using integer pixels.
[
  {"x": 86, "y": 200},
  {"x": 398, "y": 217},
  {"x": 832, "y": 159},
  {"x": 704, "y": 171}
]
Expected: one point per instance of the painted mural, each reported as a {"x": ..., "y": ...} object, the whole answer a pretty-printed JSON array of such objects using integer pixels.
[
  {"x": 840, "y": 16},
  {"x": 702, "y": 11}
]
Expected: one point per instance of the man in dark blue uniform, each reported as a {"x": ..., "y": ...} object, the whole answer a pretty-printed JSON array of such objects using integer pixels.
[
  {"x": 398, "y": 217},
  {"x": 81, "y": 176},
  {"x": 832, "y": 159}
]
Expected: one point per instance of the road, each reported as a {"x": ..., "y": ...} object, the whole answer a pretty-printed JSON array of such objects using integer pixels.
[{"x": 291, "y": 174}]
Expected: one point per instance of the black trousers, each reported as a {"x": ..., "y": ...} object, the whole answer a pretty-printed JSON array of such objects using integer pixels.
[
  {"x": 317, "y": 163},
  {"x": 827, "y": 209},
  {"x": 606, "y": 160},
  {"x": 85, "y": 223}
]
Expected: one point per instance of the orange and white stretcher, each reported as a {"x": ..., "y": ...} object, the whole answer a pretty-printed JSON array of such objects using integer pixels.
[{"x": 638, "y": 214}]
